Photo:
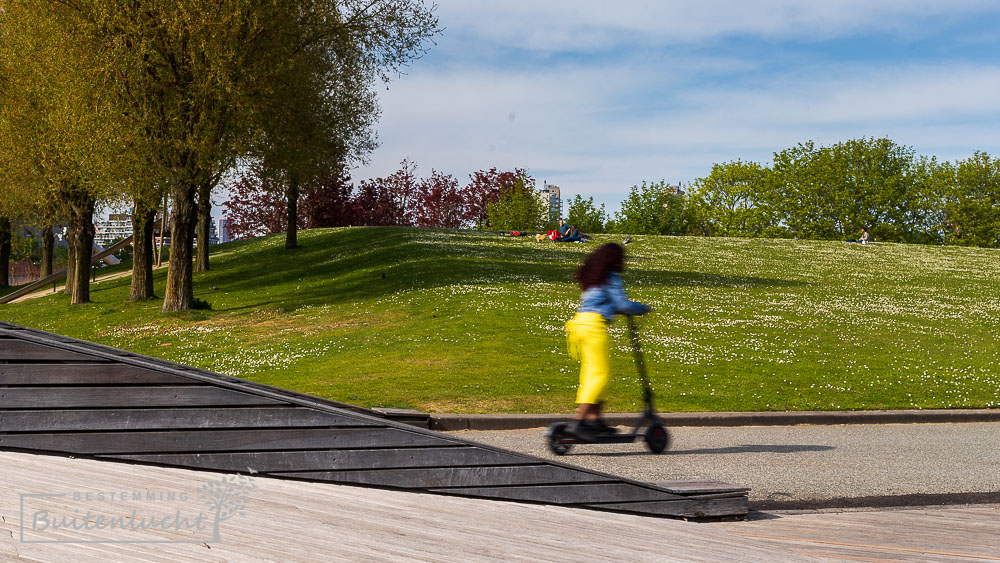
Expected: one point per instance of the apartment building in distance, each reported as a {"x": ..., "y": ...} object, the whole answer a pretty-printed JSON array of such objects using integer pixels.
[
  {"x": 225, "y": 229},
  {"x": 551, "y": 195},
  {"x": 119, "y": 225},
  {"x": 113, "y": 229}
]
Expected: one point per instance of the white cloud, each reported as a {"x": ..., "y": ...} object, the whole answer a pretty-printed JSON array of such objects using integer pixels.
[
  {"x": 556, "y": 25},
  {"x": 597, "y": 130},
  {"x": 606, "y": 95}
]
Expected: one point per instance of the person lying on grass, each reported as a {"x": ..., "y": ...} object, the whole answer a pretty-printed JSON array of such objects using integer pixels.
[{"x": 587, "y": 333}]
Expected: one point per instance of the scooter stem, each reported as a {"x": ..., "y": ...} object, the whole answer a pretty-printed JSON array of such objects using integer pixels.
[{"x": 640, "y": 364}]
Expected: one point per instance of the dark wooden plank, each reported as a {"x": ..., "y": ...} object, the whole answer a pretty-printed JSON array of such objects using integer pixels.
[
  {"x": 90, "y": 397},
  {"x": 55, "y": 409},
  {"x": 196, "y": 374},
  {"x": 456, "y": 476},
  {"x": 584, "y": 493},
  {"x": 13, "y": 349},
  {"x": 699, "y": 487},
  {"x": 268, "y": 462},
  {"x": 219, "y": 440},
  {"x": 86, "y": 374},
  {"x": 153, "y": 419},
  {"x": 729, "y": 507}
]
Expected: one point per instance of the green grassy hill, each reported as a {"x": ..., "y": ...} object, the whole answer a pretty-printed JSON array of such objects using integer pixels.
[{"x": 449, "y": 321}]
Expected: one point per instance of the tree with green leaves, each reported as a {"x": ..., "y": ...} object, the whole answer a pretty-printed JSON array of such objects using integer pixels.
[
  {"x": 921, "y": 217},
  {"x": 832, "y": 192},
  {"x": 737, "y": 200},
  {"x": 321, "y": 118},
  {"x": 484, "y": 189},
  {"x": 875, "y": 176},
  {"x": 519, "y": 207},
  {"x": 654, "y": 208},
  {"x": 191, "y": 79},
  {"x": 972, "y": 206},
  {"x": 584, "y": 215},
  {"x": 187, "y": 74},
  {"x": 61, "y": 130},
  {"x": 806, "y": 198}
]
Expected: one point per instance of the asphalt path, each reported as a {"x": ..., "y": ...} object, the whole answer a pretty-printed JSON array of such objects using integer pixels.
[{"x": 805, "y": 467}]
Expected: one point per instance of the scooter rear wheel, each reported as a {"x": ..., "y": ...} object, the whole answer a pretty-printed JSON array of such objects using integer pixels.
[
  {"x": 557, "y": 440},
  {"x": 657, "y": 438}
]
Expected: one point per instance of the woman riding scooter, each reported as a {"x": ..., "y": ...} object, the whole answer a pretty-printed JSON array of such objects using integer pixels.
[{"x": 587, "y": 333}]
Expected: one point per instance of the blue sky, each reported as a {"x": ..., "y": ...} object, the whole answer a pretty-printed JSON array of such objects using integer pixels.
[{"x": 598, "y": 96}]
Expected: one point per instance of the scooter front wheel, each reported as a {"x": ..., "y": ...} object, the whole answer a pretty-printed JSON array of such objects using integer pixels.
[
  {"x": 657, "y": 438},
  {"x": 559, "y": 438}
]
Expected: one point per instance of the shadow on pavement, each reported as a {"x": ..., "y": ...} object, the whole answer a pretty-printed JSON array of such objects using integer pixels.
[{"x": 748, "y": 448}]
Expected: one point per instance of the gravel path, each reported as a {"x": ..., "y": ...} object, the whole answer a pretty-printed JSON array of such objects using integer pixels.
[
  {"x": 62, "y": 284},
  {"x": 788, "y": 464}
]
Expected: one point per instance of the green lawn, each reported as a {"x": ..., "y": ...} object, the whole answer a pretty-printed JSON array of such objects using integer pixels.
[{"x": 456, "y": 321}]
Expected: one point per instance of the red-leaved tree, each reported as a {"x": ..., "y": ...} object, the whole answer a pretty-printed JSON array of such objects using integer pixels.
[
  {"x": 329, "y": 203},
  {"x": 389, "y": 200},
  {"x": 255, "y": 208},
  {"x": 440, "y": 202},
  {"x": 258, "y": 208},
  {"x": 484, "y": 188}
]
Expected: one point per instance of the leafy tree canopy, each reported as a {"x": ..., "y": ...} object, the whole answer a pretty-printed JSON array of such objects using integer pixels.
[
  {"x": 585, "y": 216},
  {"x": 519, "y": 207}
]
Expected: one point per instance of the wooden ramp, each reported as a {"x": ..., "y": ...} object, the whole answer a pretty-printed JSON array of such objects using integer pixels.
[
  {"x": 66, "y": 396},
  {"x": 44, "y": 282}
]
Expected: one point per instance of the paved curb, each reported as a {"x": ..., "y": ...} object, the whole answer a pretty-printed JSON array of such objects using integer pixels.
[
  {"x": 888, "y": 501},
  {"x": 447, "y": 422}
]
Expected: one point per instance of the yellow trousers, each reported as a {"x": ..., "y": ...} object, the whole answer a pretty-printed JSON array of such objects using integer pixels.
[{"x": 588, "y": 341}]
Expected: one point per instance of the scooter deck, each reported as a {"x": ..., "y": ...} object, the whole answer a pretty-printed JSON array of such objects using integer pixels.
[{"x": 607, "y": 439}]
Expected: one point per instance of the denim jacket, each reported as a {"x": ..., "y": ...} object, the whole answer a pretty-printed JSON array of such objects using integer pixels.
[{"x": 610, "y": 299}]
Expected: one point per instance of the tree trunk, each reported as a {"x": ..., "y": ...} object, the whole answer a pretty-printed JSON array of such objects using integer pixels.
[
  {"x": 143, "y": 219},
  {"x": 82, "y": 222},
  {"x": 70, "y": 261},
  {"x": 179, "y": 294},
  {"x": 48, "y": 244},
  {"x": 204, "y": 225},
  {"x": 292, "y": 230},
  {"x": 5, "y": 250},
  {"x": 163, "y": 232}
]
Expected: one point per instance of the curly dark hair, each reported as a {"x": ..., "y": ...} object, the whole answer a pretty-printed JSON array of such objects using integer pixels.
[{"x": 598, "y": 264}]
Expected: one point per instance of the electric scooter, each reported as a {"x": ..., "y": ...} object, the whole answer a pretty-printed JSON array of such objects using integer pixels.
[{"x": 649, "y": 427}]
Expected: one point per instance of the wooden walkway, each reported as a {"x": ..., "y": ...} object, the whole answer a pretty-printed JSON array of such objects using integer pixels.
[
  {"x": 61, "y": 395},
  {"x": 299, "y": 521},
  {"x": 964, "y": 533}
]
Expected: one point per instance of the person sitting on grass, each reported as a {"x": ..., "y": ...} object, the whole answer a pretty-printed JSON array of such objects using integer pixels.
[
  {"x": 568, "y": 233},
  {"x": 587, "y": 333},
  {"x": 863, "y": 239}
]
